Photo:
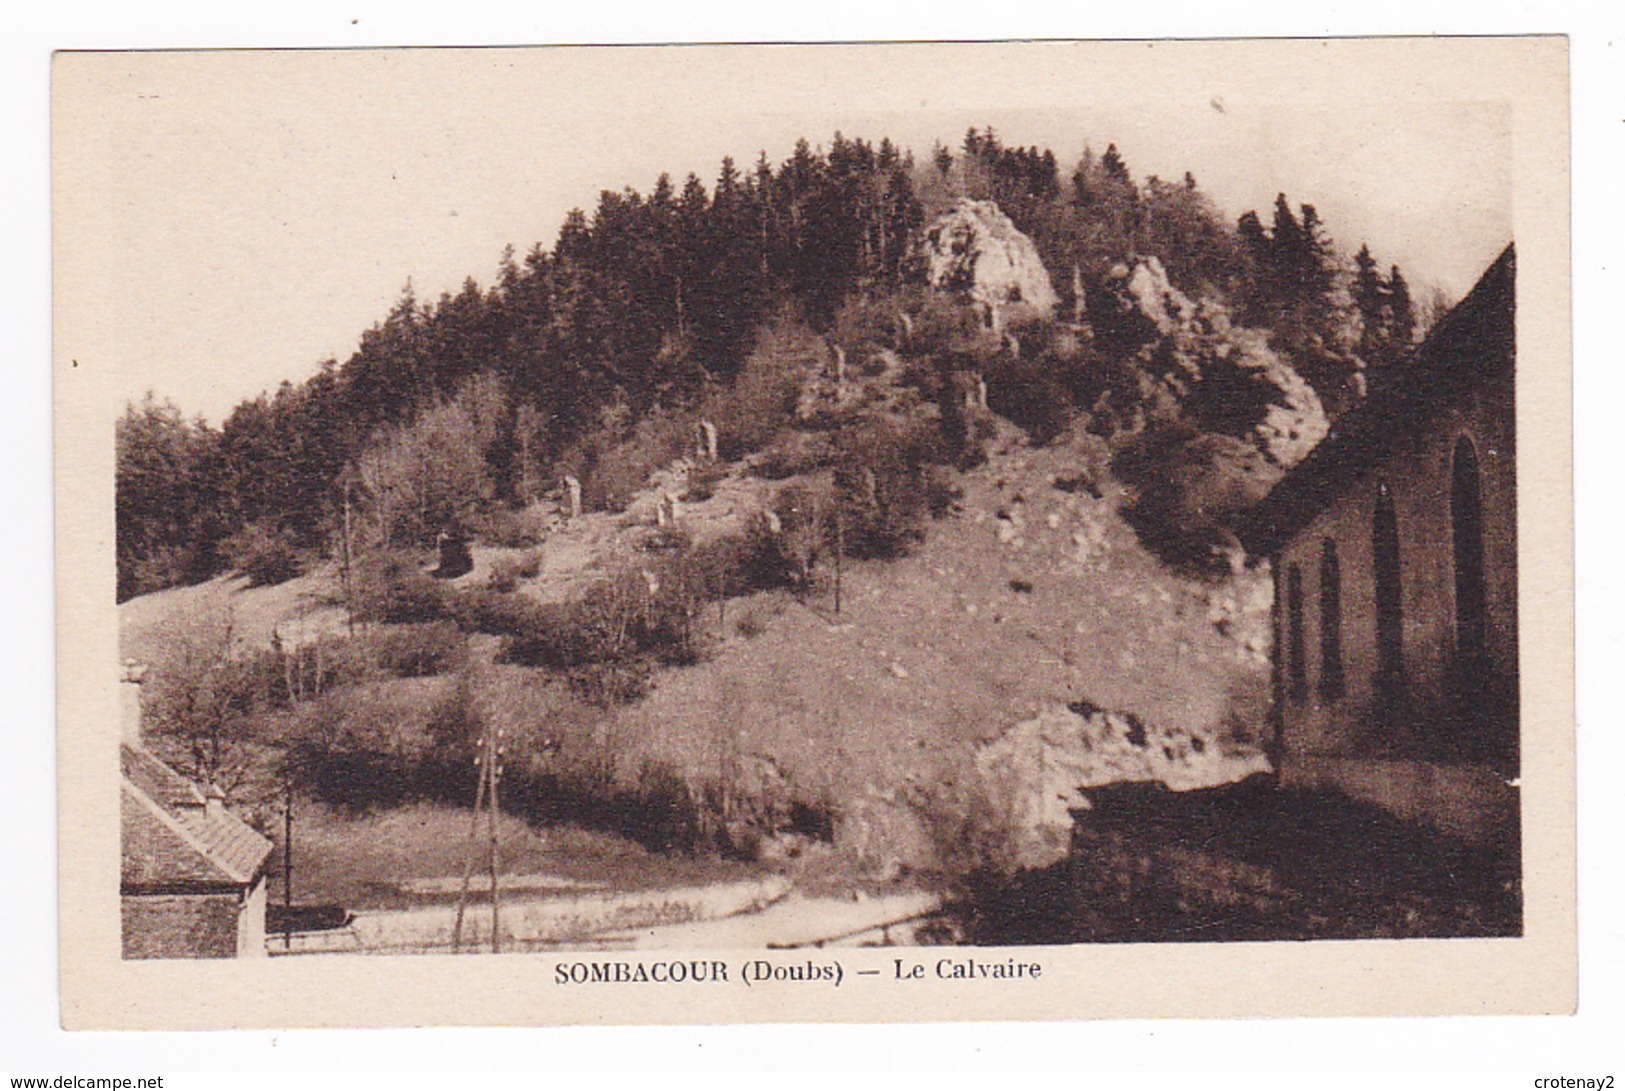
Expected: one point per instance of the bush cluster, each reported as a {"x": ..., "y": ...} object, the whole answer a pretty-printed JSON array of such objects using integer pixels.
[
  {"x": 506, "y": 572},
  {"x": 887, "y": 480},
  {"x": 263, "y": 552},
  {"x": 1186, "y": 491},
  {"x": 703, "y": 481},
  {"x": 281, "y": 676},
  {"x": 760, "y": 404},
  {"x": 795, "y": 453},
  {"x": 508, "y": 528},
  {"x": 364, "y": 746},
  {"x": 560, "y": 766},
  {"x": 415, "y": 651},
  {"x": 390, "y": 586}
]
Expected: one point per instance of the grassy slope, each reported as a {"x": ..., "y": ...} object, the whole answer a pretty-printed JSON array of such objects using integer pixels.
[
  {"x": 151, "y": 625},
  {"x": 930, "y": 656},
  {"x": 935, "y": 653}
]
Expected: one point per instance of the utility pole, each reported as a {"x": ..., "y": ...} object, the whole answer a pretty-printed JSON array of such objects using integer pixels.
[
  {"x": 489, "y": 761},
  {"x": 287, "y": 864},
  {"x": 495, "y": 758},
  {"x": 294, "y": 683},
  {"x": 349, "y": 589},
  {"x": 840, "y": 547},
  {"x": 473, "y": 836}
]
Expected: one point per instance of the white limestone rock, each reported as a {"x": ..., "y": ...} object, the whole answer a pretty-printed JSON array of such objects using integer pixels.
[{"x": 975, "y": 250}]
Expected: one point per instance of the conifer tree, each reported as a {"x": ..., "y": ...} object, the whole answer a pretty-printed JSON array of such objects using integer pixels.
[
  {"x": 1111, "y": 163},
  {"x": 1402, "y": 315},
  {"x": 1286, "y": 253},
  {"x": 1314, "y": 274},
  {"x": 1370, "y": 300}
]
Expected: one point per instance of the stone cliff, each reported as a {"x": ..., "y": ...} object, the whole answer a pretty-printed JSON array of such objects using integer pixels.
[
  {"x": 975, "y": 251},
  {"x": 1224, "y": 376}
]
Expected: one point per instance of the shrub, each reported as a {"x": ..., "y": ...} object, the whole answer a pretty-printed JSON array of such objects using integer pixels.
[
  {"x": 561, "y": 764},
  {"x": 454, "y": 723},
  {"x": 805, "y": 513},
  {"x": 506, "y": 572},
  {"x": 941, "y": 494},
  {"x": 617, "y": 477},
  {"x": 761, "y": 402},
  {"x": 666, "y": 540},
  {"x": 600, "y": 628},
  {"x": 882, "y": 511},
  {"x": 887, "y": 484},
  {"x": 1188, "y": 491},
  {"x": 391, "y": 587},
  {"x": 864, "y": 325},
  {"x": 161, "y": 566},
  {"x": 480, "y": 610},
  {"x": 1028, "y": 391},
  {"x": 368, "y": 746},
  {"x": 665, "y": 809},
  {"x": 944, "y": 326},
  {"x": 288, "y": 676},
  {"x": 736, "y": 564},
  {"x": 703, "y": 481},
  {"x": 263, "y": 552},
  {"x": 955, "y": 428},
  {"x": 509, "y": 528},
  {"x": 659, "y": 439},
  {"x": 750, "y": 625},
  {"x": 416, "y": 651},
  {"x": 605, "y": 685},
  {"x": 794, "y": 454},
  {"x": 610, "y": 617},
  {"x": 669, "y": 624}
]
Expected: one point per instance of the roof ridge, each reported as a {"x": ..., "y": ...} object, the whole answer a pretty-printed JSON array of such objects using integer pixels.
[
  {"x": 169, "y": 822},
  {"x": 227, "y": 844}
]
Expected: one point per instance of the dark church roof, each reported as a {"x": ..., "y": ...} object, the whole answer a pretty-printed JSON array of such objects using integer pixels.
[
  {"x": 1473, "y": 340},
  {"x": 172, "y": 840}
]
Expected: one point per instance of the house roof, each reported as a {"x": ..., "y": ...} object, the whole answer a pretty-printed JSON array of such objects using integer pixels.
[
  {"x": 1476, "y": 337},
  {"x": 170, "y": 838}
]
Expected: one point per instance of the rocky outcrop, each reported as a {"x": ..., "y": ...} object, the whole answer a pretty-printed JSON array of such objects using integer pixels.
[
  {"x": 974, "y": 251},
  {"x": 1034, "y": 775},
  {"x": 1149, "y": 291},
  {"x": 1225, "y": 377}
]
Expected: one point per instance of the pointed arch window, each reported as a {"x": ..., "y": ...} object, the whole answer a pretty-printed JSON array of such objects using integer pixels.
[
  {"x": 1331, "y": 622},
  {"x": 1467, "y": 538},
  {"x": 1389, "y": 598},
  {"x": 1297, "y": 668}
]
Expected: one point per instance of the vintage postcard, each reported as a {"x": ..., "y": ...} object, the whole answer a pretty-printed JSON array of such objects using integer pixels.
[{"x": 854, "y": 533}]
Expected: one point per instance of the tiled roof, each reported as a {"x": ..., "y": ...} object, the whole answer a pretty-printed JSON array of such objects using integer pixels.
[
  {"x": 164, "y": 785},
  {"x": 169, "y": 838}
]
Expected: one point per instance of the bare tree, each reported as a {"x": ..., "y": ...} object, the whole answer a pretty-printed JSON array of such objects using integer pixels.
[{"x": 200, "y": 697}]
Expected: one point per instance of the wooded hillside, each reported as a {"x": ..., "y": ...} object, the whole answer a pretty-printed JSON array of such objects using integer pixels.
[{"x": 595, "y": 356}]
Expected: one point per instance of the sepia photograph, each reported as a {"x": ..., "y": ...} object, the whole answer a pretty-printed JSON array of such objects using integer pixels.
[{"x": 971, "y": 511}]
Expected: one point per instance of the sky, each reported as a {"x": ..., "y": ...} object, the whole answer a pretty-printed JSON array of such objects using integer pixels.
[{"x": 227, "y": 220}]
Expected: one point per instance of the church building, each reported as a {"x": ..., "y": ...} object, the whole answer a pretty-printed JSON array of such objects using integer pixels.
[{"x": 1394, "y": 550}]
